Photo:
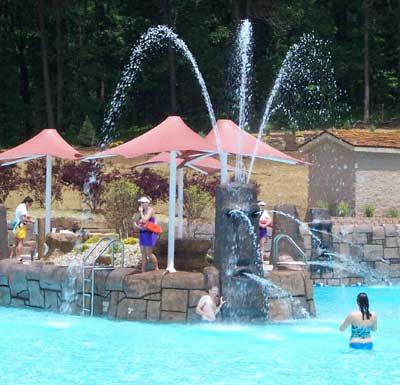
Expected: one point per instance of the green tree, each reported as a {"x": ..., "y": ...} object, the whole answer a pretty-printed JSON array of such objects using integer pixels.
[
  {"x": 195, "y": 202},
  {"x": 87, "y": 134},
  {"x": 120, "y": 205}
]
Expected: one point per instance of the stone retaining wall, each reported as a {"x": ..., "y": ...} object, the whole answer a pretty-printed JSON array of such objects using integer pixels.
[
  {"x": 375, "y": 247},
  {"x": 118, "y": 293},
  {"x": 300, "y": 303},
  {"x": 123, "y": 294}
]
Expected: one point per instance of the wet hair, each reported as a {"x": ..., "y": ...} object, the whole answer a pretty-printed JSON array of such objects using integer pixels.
[
  {"x": 27, "y": 199},
  {"x": 363, "y": 303}
]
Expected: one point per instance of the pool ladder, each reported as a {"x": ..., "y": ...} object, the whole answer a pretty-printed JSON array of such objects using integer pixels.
[
  {"x": 275, "y": 249},
  {"x": 90, "y": 267}
]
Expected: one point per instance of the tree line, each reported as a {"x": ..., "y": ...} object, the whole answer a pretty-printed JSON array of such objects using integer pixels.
[{"x": 61, "y": 59}]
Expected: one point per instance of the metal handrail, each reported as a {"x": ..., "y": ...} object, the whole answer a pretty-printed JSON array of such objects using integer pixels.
[
  {"x": 275, "y": 248},
  {"x": 110, "y": 242}
]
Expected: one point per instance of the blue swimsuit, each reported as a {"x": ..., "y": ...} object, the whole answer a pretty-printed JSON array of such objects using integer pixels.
[
  {"x": 361, "y": 332},
  {"x": 146, "y": 237}
]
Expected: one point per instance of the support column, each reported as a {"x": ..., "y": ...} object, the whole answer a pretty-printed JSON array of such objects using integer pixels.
[
  {"x": 224, "y": 167},
  {"x": 171, "y": 211},
  {"x": 180, "y": 203},
  {"x": 41, "y": 237},
  {"x": 48, "y": 193}
]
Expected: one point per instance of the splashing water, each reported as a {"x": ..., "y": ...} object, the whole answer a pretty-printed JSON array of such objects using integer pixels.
[
  {"x": 339, "y": 261},
  {"x": 252, "y": 233},
  {"x": 243, "y": 61},
  {"x": 271, "y": 290},
  {"x": 305, "y": 82},
  {"x": 69, "y": 292},
  {"x": 156, "y": 37}
]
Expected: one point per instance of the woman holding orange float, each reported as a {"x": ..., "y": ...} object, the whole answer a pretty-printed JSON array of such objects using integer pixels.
[{"x": 147, "y": 238}]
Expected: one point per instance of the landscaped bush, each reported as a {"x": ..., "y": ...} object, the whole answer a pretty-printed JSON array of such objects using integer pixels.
[
  {"x": 205, "y": 183},
  {"x": 393, "y": 213},
  {"x": 120, "y": 204},
  {"x": 92, "y": 240},
  {"x": 82, "y": 248},
  {"x": 343, "y": 209},
  {"x": 151, "y": 183},
  {"x": 89, "y": 179},
  {"x": 323, "y": 204},
  {"x": 195, "y": 202},
  {"x": 116, "y": 143},
  {"x": 130, "y": 241},
  {"x": 34, "y": 180},
  {"x": 369, "y": 210},
  {"x": 9, "y": 181}
]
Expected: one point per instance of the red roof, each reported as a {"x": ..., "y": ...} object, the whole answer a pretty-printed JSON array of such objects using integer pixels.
[
  {"x": 208, "y": 165},
  {"x": 170, "y": 135},
  {"x": 46, "y": 142},
  {"x": 364, "y": 138},
  {"x": 229, "y": 133}
]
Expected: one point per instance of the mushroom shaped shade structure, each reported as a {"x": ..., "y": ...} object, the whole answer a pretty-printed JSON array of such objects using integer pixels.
[
  {"x": 47, "y": 143},
  {"x": 171, "y": 135}
]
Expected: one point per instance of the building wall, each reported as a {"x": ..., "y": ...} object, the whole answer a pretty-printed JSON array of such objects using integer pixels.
[
  {"x": 331, "y": 176},
  {"x": 377, "y": 181}
]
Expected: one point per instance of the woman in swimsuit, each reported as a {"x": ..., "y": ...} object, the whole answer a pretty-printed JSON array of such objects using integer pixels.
[
  {"x": 265, "y": 222},
  {"x": 362, "y": 322},
  {"x": 147, "y": 239}
]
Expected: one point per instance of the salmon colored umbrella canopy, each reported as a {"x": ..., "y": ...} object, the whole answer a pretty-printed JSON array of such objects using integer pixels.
[
  {"x": 203, "y": 165},
  {"x": 229, "y": 133},
  {"x": 46, "y": 142},
  {"x": 207, "y": 165},
  {"x": 170, "y": 135}
]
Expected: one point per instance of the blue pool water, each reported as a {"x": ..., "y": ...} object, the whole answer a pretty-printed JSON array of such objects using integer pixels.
[{"x": 45, "y": 348}]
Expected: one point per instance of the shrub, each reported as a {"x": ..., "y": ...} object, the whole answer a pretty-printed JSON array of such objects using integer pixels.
[
  {"x": 120, "y": 204},
  {"x": 343, "y": 209},
  {"x": 35, "y": 180},
  {"x": 130, "y": 241},
  {"x": 87, "y": 133},
  {"x": 82, "y": 248},
  {"x": 92, "y": 240},
  {"x": 89, "y": 179},
  {"x": 393, "y": 213},
  {"x": 116, "y": 143},
  {"x": 151, "y": 183},
  {"x": 369, "y": 210},
  {"x": 195, "y": 202},
  {"x": 205, "y": 183},
  {"x": 9, "y": 181},
  {"x": 323, "y": 204}
]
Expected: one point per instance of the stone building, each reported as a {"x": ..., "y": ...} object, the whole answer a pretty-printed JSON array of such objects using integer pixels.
[{"x": 356, "y": 166}]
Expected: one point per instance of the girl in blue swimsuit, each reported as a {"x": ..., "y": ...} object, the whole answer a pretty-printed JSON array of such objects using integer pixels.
[{"x": 362, "y": 323}]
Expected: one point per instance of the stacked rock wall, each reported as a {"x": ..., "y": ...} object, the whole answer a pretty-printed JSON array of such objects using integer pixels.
[
  {"x": 299, "y": 303},
  {"x": 118, "y": 293},
  {"x": 377, "y": 247},
  {"x": 123, "y": 294}
]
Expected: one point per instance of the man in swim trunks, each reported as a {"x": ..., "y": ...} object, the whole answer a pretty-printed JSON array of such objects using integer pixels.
[{"x": 210, "y": 305}]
